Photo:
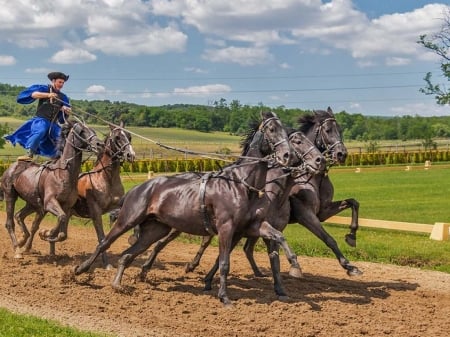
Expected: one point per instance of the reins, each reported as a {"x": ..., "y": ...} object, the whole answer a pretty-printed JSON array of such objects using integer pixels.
[{"x": 208, "y": 155}]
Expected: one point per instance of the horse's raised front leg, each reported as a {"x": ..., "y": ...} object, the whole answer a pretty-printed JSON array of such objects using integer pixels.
[
  {"x": 59, "y": 232},
  {"x": 308, "y": 219},
  {"x": 335, "y": 207}
]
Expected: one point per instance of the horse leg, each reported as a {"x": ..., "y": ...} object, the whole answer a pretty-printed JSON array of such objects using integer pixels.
[
  {"x": 266, "y": 231},
  {"x": 95, "y": 214},
  {"x": 274, "y": 258},
  {"x": 206, "y": 240},
  {"x": 249, "y": 247},
  {"x": 34, "y": 227},
  {"x": 225, "y": 244},
  {"x": 210, "y": 275},
  {"x": 158, "y": 247},
  {"x": 336, "y": 207},
  {"x": 123, "y": 224},
  {"x": 10, "y": 201},
  {"x": 150, "y": 232},
  {"x": 59, "y": 232},
  {"x": 20, "y": 219},
  {"x": 308, "y": 219}
]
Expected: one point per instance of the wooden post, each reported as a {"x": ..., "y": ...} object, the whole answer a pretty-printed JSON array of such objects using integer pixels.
[{"x": 440, "y": 231}]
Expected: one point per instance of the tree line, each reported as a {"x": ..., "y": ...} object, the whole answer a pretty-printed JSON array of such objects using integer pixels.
[{"x": 233, "y": 117}]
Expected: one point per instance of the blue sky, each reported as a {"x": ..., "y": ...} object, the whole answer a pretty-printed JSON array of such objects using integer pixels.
[{"x": 360, "y": 56}]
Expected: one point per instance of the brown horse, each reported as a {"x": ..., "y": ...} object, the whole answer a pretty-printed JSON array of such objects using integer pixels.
[
  {"x": 48, "y": 188},
  {"x": 224, "y": 203},
  {"x": 100, "y": 189}
]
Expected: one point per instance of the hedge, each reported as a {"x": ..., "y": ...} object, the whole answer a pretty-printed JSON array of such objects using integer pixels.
[{"x": 205, "y": 164}]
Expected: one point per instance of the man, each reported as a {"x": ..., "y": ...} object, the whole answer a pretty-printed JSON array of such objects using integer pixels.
[{"x": 39, "y": 134}]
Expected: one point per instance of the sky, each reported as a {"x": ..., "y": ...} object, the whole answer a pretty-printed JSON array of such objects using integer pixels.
[{"x": 358, "y": 56}]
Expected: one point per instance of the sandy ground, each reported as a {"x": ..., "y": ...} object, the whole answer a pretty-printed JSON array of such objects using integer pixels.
[{"x": 385, "y": 301}]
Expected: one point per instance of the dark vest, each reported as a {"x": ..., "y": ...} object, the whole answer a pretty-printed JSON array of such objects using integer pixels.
[{"x": 49, "y": 110}]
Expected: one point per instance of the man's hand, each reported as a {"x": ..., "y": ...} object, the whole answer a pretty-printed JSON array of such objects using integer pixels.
[{"x": 66, "y": 109}]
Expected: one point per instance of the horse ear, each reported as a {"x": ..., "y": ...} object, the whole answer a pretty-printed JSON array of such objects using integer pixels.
[
  {"x": 329, "y": 110},
  {"x": 122, "y": 124}
]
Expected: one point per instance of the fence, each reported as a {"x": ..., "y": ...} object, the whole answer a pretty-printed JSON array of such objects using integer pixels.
[{"x": 439, "y": 231}]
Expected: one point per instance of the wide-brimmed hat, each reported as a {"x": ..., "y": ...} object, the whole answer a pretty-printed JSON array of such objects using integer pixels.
[{"x": 57, "y": 75}]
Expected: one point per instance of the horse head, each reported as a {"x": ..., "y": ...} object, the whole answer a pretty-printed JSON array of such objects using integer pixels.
[
  {"x": 83, "y": 138},
  {"x": 307, "y": 155},
  {"x": 118, "y": 143},
  {"x": 323, "y": 129},
  {"x": 275, "y": 136}
]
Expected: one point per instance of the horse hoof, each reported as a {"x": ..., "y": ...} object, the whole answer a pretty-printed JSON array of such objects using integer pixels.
[
  {"x": 132, "y": 239},
  {"x": 351, "y": 240},
  {"x": 226, "y": 302},
  {"x": 295, "y": 272},
  {"x": 18, "y": 256},
  {"x": 283, "y": 298},
  {"x": 109, "y": 266},
  {"x": 354, "y": 271}
]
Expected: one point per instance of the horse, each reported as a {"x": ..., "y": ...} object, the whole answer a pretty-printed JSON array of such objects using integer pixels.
[
  {"x": 310, "y": 200},
  {"x": 278, "y": 185},
  {"x": 47, "y": 188},
  {"x": 100, "y": 189},
  {"x": 223, "y": 203}
]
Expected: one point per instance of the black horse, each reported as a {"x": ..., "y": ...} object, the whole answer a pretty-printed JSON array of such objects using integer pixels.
[
  {"x": 310, "y": 201},
  {"x": 224, "y": 203},
  {"x": 278, "y": 185},
  {"x": 311, "y": 198},
  {"x": 48, "y": 188}
]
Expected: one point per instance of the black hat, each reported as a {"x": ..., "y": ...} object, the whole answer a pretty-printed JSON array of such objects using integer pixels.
[{"x": 57, "y": 75}]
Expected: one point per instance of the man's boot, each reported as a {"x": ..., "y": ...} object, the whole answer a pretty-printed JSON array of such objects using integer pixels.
[{"x": 27, "y": 157}]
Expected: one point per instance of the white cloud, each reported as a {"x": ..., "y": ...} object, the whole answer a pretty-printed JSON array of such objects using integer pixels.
[
  {"x": 420, "y": 109},
  {"x": 96, "y": 89},
  {"x": 149, "y": 41},
  {"x": 68, "y": 56},
  {"x": 7, "y": 60},
  {"x": 203, "y": 90},
  {"x": 242, "y": 56}
]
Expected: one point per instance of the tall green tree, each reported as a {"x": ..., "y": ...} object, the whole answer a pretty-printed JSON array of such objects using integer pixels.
[{"x": 439, "y": 43}]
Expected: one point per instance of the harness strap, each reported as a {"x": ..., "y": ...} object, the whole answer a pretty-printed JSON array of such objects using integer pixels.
[{"x": 203, "y": 209}]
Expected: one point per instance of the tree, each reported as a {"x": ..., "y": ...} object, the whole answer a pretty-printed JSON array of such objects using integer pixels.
[{"x": 439, "y": 43}]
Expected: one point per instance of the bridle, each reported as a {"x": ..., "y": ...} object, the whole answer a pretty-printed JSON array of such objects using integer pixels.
[
  {"x": 322, "y": 144},
  {"x": 117, "y": 153}
]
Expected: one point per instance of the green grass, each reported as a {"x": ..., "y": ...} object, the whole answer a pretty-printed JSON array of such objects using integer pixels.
[
  {"x": 385, "y": 193},
  {"x": 12, "y": 325}
]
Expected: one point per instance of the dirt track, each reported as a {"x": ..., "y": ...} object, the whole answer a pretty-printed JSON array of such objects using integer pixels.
[{"x": 385, "y": 301}]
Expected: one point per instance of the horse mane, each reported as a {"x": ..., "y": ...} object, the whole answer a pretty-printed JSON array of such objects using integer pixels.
[
  {"x": 249, "y": 137},
  {"x": 61, "y": 142},
  {"x": 306, "y": 122}
]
